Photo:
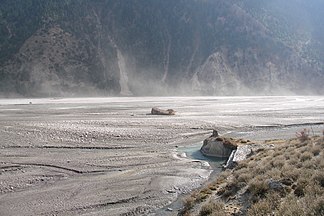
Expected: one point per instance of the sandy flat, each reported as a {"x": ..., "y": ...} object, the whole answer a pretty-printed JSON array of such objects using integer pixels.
[{"x": 107, "y": 156}]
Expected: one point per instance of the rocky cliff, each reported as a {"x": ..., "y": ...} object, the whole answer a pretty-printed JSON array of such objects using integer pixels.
[{"x": 162, "y": 47}]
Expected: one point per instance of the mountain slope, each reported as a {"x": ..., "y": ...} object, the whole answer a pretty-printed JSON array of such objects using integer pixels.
[{"x": 138, "y": 47}]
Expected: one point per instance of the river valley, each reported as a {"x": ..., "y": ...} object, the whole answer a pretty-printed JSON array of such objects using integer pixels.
[{"x": 109, "y": 156}]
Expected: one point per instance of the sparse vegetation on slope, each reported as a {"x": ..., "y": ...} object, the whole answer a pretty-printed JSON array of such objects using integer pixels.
[{"x": 287, "y": 179}]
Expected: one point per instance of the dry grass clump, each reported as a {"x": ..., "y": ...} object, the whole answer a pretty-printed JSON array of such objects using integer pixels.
[
  {"x": 310, "y": 204},
  {"x": 258, "y": 187},
  {"x": 266, "y": 206},
  {"x": 306, "y": 156},
  {"x": 316, "y": 150},
  {"x": 213, "y": 208},
  {"x": 303, "y": 135},
  {"x": 188, "y": 203},
  {"x": 290, "y": 207},
  {"x": 230, "y": 189},
  {"x": 290, "y": 171},
  {"x": 194, "y": 198},
  {"x": 285, "y": 180},
  {"x": 203, "y": 194},
  {"x": 274, "y": 173},
  {"x": 244, "y": 177},
  {"x": 318, "y": 177}
]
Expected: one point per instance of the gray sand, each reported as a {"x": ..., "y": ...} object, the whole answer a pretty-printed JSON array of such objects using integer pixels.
[{"x": 107, "y": 156}]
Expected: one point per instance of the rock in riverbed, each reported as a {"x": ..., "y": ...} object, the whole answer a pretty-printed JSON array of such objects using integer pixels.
[
  {"x": 217, "y": 146},
  {"x": 158, "y": 111}
]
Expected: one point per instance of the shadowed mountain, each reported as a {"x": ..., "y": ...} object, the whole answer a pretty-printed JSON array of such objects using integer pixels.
[{"x": 162, "y": 47}]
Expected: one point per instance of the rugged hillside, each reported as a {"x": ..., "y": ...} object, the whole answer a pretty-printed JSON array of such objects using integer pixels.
[{"x": 163, "y": 47}]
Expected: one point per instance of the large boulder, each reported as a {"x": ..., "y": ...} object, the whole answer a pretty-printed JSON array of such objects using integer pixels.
[
  {"x": 157, "y": 111},
  {"x": 217, "y": 146}
]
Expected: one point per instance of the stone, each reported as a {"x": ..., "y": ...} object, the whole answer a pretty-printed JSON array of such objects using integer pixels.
[
  {"x": 242, "y": 153},
  {"x": 216, "y": 146},
  {"x": 275, "y": 185},
  {"x": 158, "y": 111}
]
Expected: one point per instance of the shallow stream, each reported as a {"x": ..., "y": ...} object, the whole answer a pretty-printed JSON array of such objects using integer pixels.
[{"x": 193, "y": 152}]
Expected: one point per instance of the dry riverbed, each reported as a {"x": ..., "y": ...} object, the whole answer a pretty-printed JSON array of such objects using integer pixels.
[{"x": 107, "y": 156}]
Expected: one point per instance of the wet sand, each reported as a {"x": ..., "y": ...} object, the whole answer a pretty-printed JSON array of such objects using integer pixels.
[{"x": 107, "y": 156}]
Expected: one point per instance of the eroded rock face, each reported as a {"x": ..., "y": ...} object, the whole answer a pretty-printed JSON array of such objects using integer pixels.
[
  {"x": 241, "y": 153},
  {"x": 217, "y": 146}
]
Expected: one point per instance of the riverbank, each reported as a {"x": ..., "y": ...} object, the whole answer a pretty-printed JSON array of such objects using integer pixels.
[{"x": 286, "y": 179}]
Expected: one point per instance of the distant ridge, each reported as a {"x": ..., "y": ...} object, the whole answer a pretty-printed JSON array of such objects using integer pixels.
[{"x": 162, "y": 47}]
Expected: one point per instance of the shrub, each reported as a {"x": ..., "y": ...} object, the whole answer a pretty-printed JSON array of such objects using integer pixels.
[
  {"x": 314, "y": 192},
  {"x": 318, "y": 208},
  {"x": 290, "y": 171},
  {"x": 300, "y": 189},
  {"x": 212, "y": 187},
  {"x": 260, "y": 208},
  {"x": 229, "y": 190},
  {"x": 201, "y": 197},
  {"x": 203, "y": 194},
  {"x": 188, "y": 203},
  {"x": 241, "y": 165},
  {"x": 319, "y": 163},
  {"x": 276, "y": 153},
  {"x": 260, "y": 170},
  {"x": 213, "y": 208},
  {"x": 291, "y": 207},
  {"x": 293, "y": 159},
  {"x": 287, "y": 156},
  {"x": 304, "y": 149},
  {"x": 303, "y": 135},
  {"x": 318, "y": 177},
  {"x": 244, "y": 177},
  {"x": 306, "y": 156},
  {"x": 274, "y": 173},
  {"x": 258, "y": 188},
  {"x": 278, "y": 162},
  {"x": 316, "y": 150},
  {"x": 223, "y": 176},
  {"x": 309, "y": 164}
]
